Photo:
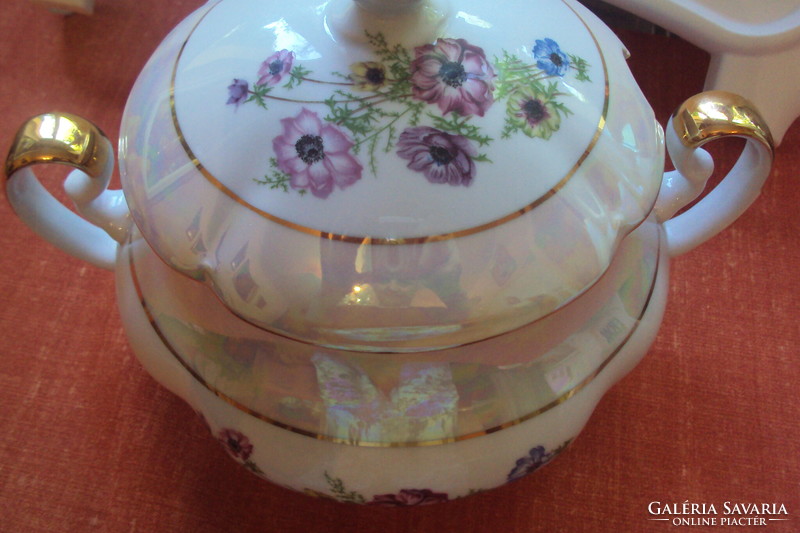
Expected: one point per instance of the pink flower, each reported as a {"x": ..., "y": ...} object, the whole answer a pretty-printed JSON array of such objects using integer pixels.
[
  {"x": 440, "y": 156},
  {"x": 315, "y": 154},
  {"x": 236, "y": 443},
  {"x": 409, "y": 497},
  {"x": 275, "y": 67},
  {"x": 454, "y": 75}
]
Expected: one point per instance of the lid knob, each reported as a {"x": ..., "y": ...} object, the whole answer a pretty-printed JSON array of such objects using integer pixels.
[
  {"x": 405, "y": 21},
  {"x": 389, "y": 7}
]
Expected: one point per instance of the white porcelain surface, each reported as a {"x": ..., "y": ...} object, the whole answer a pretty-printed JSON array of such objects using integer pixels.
[
  {"x": 546, "y": 218},
  {"x": 438, "y": 471},
  {"x": 375, "y": 399},
  {"x": 386, "y": 199}
]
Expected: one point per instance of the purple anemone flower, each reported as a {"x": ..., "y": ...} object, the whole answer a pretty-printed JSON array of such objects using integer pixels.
[
  {"x": 454, "y": 75},
  {"x": 441, "y": 156},
  {"x": 235, "y": 443},
  {"x": 550, "y": 58},
  {"x": 315, "y": 154},
  {"x": 237, "y": 92},
  {"x": 275, "y": 67},
  {"x": 407, "y": 497}
]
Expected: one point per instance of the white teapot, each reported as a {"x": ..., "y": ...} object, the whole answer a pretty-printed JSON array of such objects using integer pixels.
[{"x": 391, "y": 251}]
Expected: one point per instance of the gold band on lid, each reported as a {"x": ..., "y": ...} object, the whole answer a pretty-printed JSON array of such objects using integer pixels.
[
  {"x": 565, "y": 395},
  {"x": 713, "y": 114},
  {"x": 59, "y": 138},
  {"x": 366, "y": 239}
]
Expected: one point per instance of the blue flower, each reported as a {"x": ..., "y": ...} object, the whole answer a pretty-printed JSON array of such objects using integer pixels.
[
  {"x": 536, "y": 458},
  {"x": 550, "y": 58}
]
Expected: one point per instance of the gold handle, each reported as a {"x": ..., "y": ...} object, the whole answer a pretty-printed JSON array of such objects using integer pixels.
[
  {"x": 714, "y": 114},
  {"x": 60, "y": 138},
  {"x": 702, "y": 118},
  {"x": 100, "y": 219}
]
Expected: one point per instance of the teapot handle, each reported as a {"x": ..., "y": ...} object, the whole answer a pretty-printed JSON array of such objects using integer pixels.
[
  {"x": 71, "y": 140},
  {"x": 702, "y": 118}
]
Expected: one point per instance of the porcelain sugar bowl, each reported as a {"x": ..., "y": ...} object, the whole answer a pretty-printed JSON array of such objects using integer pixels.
[{"x": 391, "y": 251}]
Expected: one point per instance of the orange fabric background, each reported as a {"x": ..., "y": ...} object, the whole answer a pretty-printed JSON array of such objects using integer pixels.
[{"x": 89, "y": 442}]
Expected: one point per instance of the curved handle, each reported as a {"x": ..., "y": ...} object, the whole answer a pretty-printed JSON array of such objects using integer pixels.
[
  {"x": 71, "y": 140},
  {"x": 702, "y": 118}
]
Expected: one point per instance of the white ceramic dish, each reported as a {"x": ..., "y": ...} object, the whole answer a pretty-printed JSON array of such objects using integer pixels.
[{"x": 416, "y": 239}]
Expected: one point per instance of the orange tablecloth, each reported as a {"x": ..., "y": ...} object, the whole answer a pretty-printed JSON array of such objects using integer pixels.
[{"x": 89, "y": 442}]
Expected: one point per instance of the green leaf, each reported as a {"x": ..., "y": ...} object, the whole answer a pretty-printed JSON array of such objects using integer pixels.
[
  {"x": 340, "y": 493},
  {"x": 277, "y": 179},
  {"x": 580, "y": 64},
  {"x": 296, "y": 76},
  {"x": 460, "y": 126},
  {"x": 259, "y": 95}
]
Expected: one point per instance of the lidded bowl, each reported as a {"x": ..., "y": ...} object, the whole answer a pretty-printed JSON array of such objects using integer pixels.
[
  {"x": 355, "y": 177},
  {"x": 357, "y": 235}
]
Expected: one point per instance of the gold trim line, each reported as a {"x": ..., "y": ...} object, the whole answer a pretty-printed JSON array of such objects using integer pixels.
[
  {"x": 214, "y": 181},
  {"x": 435, "y": 442}
]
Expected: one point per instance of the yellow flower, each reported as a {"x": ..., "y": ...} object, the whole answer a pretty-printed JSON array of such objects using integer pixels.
[{"x": 368, "y": 75}]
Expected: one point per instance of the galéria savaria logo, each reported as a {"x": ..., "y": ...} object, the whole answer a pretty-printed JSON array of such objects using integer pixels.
[{"x": 686, "y": 513}]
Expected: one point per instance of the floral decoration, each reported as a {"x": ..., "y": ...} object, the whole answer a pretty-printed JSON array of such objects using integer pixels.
[
  {"x": 239, "y": 447},
  {"x": 408, "y": 497},
  {"x": 238, "y": 92},
  {"x": 424, "y": 104},
  {"x": 440, "y": 156},
  {"x": 236, "y": 444},
  {"x": 534, "y": 112},
  {"x": 550, "y": 58},
  {"x": 275, "y": 68},
  {"x": 454, "y": 75},
  {"x": 536, "y": 458},
  {"x": 368, "y": 76},
  {"x": 314, "y": 155},
  {"x": 404, "y": 498}
]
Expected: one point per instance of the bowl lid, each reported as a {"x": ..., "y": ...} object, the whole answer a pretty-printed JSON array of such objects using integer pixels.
[{"x": 255, "y": 133}]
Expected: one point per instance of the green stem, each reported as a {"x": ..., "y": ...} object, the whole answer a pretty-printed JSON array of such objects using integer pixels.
[
  {"x": 363, "y": 107},
  {"x": 296, "y": 101},
  {"x": 358, "y": 143},
  {"x": 343, "y": 83}
]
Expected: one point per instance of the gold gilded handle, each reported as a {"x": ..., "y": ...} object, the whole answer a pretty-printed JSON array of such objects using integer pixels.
[
  {"x": 714, "y": 114},
  {"x": 60, "y": 138},
  {"x": 702, "y": 118},
  {"x": 67, "y": 139}
]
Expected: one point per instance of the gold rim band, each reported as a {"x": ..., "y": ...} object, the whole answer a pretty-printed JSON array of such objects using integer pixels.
[
  {"x": 214, "y": 181},
  {"x": 714, "y": 114},
  {"x": 377, "y": 444},
  {"x": 60, "y": 138}
]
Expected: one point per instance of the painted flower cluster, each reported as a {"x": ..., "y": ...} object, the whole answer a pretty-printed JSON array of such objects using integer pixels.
[
  {"x": 536, "y": 458},
  {"x": 423, "y": 105},
  {"x": 404, "y": 498},
  {"x": 239, "y": 447}
]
